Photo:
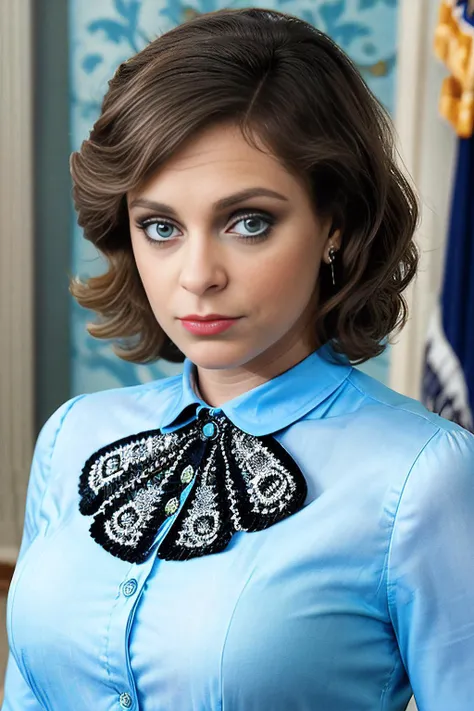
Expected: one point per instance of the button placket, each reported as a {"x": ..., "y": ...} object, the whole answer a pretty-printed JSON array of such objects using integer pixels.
[
  {"x": 125, "y": 608},
  {"x": 119, "y": 628}
]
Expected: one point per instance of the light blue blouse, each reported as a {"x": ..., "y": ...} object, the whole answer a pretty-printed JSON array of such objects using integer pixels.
[{"x": 363, "y": 595}]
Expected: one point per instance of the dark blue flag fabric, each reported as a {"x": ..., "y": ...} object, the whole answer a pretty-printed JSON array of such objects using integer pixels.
[{"x": 448, "y": 382}]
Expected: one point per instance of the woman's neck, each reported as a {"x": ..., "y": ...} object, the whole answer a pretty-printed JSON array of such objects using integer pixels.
[{"x": 219, "y": 385}]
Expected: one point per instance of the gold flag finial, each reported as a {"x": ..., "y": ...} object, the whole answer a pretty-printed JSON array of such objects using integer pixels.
[{"x": 454, "y": 45}]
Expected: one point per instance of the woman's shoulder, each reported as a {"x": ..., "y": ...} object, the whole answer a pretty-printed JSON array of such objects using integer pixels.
[
  {"x": 394, "y": 409},
  {"x": 371, "y": 422},
  {"x": 425, "y": 463},
  {"x": 160, "y": 390},
  {"x": 112, "y": 412},
  {"x": 161, "y": 387},
  {"x": 397, "y": 424}
]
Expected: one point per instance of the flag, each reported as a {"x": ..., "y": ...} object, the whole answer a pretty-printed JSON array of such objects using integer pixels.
[{"x": 448, "y": 380}]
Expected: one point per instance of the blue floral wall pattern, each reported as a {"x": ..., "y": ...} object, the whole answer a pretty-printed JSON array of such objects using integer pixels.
[{"x": 103, "y": 33}]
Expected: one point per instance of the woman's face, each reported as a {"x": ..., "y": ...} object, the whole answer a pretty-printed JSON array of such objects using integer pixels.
[{"x": 201, "y": 249}]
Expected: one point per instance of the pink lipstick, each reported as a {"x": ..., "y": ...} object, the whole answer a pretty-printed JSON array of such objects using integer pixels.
[{"x": 207, "y": 325}]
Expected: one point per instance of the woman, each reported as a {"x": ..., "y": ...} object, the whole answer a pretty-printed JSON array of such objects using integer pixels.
[{"x": 273, "y": 529}]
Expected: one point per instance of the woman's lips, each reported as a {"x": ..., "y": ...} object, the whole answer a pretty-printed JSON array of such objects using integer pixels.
[{"x": 208, "y": 328}]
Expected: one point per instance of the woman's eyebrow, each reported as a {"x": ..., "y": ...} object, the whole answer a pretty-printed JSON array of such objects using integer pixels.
[{"x": 221, "y": 204}]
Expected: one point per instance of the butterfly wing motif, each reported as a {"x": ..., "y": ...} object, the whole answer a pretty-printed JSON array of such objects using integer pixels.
[{"x": 238, "y": 482}]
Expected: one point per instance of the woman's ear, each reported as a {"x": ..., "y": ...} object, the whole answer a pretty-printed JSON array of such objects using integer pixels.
[{"x": 333, "y": 243}]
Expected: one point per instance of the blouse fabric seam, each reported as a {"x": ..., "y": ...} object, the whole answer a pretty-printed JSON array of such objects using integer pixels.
[
  {"x": 393, "y": 407},
  {"x": 53, "y": 446},
  {"x": 383, "y": 697},
  {"x": 13, "y": 648},
  {"x": 107, "y": 645},
  {"x": 221, "y": 700},
  {"x": 387, "y": 569}
]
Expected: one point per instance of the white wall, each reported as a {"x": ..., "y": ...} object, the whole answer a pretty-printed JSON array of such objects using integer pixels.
[{"x": 427, "y": 146}]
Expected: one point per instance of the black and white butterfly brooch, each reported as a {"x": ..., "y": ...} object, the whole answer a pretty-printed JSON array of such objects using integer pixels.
[{"x": 237, "y": 482}]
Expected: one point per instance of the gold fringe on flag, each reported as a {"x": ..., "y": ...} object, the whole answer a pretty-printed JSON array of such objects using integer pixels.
[{"x": 454, "y": 45}]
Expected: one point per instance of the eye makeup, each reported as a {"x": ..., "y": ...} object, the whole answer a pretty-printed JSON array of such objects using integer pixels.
[{"x": 244, "y": 215}]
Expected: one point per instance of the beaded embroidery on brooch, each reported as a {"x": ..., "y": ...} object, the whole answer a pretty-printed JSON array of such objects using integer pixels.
[{"x": 238, "y": 482}]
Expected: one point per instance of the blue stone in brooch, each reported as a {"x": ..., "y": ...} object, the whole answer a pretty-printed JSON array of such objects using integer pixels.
[
  {"x": 210, "y": 430},
  {"x": 209, "y": 426}
]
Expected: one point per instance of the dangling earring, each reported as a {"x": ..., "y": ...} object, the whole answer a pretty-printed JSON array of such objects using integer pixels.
[{"x": 332, "y": 256}]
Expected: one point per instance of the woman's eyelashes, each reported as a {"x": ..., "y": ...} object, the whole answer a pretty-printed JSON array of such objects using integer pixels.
[{"x": 255, "y": 227}]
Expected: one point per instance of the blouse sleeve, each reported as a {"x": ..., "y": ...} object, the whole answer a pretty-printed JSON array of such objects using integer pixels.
[
  {"x": 431, "y": 573},
  {"x": 18, "y": 695}
]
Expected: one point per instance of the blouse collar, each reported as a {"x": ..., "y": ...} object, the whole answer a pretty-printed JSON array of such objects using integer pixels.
[{"x": 271, "y": 406}]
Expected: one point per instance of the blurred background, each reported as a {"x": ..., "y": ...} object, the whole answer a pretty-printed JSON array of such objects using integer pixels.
[{"x": 55, "y": 59}]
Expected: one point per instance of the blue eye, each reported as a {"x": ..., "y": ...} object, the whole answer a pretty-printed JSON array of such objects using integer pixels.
[
  {"x": 256, "y": 228},
  {"x": 256, "y": 225},
  {"x": 157, "y": 230}
]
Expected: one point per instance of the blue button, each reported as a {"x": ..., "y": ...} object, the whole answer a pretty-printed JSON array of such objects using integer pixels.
[
  {"x": 126, "y": 701},
  {"x": 130, "y": 587}
]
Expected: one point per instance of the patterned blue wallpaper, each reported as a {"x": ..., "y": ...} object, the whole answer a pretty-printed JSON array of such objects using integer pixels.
[{"x": 104, "y": 33}]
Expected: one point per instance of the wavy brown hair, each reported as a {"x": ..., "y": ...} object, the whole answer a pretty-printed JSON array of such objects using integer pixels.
[{"x": 290, "y": 88}]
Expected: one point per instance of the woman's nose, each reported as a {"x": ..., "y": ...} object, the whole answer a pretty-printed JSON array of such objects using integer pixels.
[{"x": 202, "y": 265}]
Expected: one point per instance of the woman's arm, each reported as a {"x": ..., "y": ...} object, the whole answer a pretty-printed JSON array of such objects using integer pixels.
[{"x": 431, "y": 573}]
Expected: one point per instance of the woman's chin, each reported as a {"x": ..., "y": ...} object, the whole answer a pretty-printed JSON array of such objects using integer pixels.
[{"x": 215, "y": 354}]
